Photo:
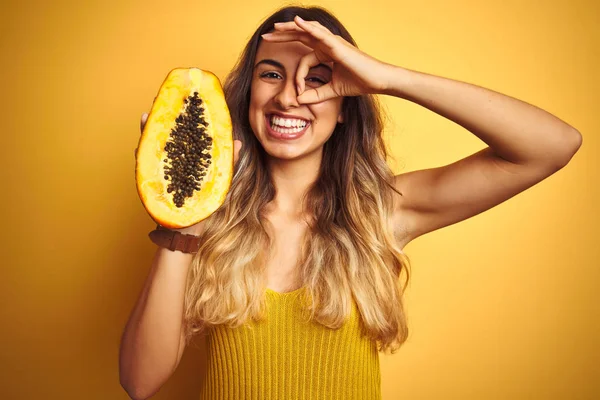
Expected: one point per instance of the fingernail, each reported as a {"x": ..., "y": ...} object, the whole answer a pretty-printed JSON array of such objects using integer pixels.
[
  {"x": 300, "y": 18},
  {"x": 267, "y": 35}
]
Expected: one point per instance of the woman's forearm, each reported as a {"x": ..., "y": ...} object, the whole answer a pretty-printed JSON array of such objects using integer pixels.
[
  {"x": 150, "y": 343},
  {"x": 517, "y": 131}
]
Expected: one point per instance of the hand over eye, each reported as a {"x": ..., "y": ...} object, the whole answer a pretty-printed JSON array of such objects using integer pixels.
[{"x": 354, "y": 72}]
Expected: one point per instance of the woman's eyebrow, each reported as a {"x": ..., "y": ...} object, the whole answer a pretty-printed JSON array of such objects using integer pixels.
[
  {"x": 277, "y": 64},
  {"x": 268, "y": 61}
]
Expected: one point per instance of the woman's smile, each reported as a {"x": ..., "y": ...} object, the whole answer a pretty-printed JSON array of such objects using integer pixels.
[{"x": 283, "y": 128}]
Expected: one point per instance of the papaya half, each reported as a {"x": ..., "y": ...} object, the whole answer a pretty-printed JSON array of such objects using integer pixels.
[{"x": 184, "y": 158}]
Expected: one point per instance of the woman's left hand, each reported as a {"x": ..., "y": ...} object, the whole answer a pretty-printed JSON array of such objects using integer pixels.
[{"x": 354, "y": 72}]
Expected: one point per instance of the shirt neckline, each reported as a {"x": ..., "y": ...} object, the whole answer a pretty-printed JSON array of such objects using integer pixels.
[{"x": 285, "y": 293}]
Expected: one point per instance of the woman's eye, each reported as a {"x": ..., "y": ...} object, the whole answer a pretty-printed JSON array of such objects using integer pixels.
[
  {"x": 269, "y": 75},
  {"x": 315, "y": 79}
]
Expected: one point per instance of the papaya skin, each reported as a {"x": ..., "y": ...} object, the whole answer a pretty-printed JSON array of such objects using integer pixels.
[{"x": 155, "y": 130}]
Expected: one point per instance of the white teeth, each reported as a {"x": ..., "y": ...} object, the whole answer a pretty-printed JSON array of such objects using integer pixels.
[
  {"x": 286, "y": 130},
  {"x": 287, "y": 123}
]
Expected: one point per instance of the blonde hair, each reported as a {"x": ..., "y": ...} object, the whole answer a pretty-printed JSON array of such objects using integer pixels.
[{"x": 349, "y": 253}]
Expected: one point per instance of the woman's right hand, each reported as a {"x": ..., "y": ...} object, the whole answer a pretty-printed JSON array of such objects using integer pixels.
[{"x": 195, "y": 229}]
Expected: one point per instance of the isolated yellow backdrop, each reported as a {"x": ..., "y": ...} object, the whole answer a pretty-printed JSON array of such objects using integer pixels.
[{"x": 502, "y": 306}]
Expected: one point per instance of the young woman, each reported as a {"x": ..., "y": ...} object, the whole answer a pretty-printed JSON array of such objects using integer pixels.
[{"x": 297, "y": 283}]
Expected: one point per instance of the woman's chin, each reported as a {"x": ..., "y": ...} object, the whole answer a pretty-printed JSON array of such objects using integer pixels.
[{"x": 284, "y": 152}]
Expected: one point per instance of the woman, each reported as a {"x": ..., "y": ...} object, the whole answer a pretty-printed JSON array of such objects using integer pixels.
[{"x": 296, "y": 283}]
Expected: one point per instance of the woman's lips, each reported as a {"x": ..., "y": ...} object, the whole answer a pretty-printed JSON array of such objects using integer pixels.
[{"x": 283, "y": 136}]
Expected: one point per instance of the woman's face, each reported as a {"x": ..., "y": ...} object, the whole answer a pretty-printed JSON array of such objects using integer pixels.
[{"x": 273, "y": 101}]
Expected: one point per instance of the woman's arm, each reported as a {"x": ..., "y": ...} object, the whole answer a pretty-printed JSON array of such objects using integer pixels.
[
  {"x": 526, "y": 145},
  {"x": 153, "y": 339},
  {"x": 516, "y": 131}
]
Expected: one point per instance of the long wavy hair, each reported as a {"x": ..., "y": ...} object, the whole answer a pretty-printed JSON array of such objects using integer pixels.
[{"x": 349, "y": 252}]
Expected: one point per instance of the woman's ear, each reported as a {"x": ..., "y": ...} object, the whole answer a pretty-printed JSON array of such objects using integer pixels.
[{"x": 340, "y": 118}]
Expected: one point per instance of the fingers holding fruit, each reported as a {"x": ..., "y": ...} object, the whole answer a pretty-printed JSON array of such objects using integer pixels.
[
  {"x": 143, "y": 121},
  {"x": 142, "y": 124}
]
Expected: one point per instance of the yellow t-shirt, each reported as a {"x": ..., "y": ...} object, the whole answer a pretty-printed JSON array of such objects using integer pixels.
[{"x": 285, "y": 358}]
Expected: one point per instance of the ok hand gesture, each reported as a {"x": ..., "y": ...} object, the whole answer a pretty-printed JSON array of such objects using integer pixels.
[{"x": 354, "y": 72}]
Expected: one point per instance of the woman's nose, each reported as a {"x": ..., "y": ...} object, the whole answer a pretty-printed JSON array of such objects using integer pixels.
[{"x": 287, "y": 96}]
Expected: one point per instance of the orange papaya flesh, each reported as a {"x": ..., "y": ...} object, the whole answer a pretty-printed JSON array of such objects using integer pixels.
[{"x": 184, "y": 158}]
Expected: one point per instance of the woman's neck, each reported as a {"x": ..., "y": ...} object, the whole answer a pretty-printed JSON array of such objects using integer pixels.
[{"x": 292, "y": 179}]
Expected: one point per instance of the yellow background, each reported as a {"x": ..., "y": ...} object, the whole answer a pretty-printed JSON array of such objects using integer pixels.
[{"x": 502, "y": 306}]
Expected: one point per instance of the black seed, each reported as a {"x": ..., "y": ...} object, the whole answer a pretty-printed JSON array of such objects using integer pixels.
[{"x": 185, "y": 148}]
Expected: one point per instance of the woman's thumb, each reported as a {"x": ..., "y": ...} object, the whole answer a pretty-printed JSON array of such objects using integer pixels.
[{"x": 143, "y": 121}]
